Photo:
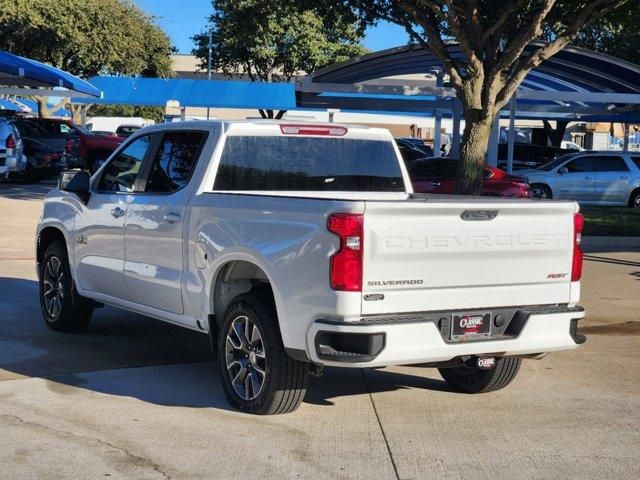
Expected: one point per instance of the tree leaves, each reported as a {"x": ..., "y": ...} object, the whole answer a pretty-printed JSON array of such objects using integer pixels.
[
  {"x": 86, "y": 37},
  {"x": 276, "y": 39}
]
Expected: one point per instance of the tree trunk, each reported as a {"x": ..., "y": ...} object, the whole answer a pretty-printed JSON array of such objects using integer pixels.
[
  {"x": 473, "y": 155},
  {"x": 555, "y": 135}
]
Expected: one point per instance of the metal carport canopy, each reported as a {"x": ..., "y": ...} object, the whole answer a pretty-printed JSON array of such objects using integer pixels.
[
  {"x": 193, "y": 93},
  {"x": 23, "y": 76},
  {"x": 574, "y": 84}
]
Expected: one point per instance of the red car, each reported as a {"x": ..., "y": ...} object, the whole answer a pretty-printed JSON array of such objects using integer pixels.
[
  {"x": 437, "y": 175},
  {"x": 84, "y": 149}
]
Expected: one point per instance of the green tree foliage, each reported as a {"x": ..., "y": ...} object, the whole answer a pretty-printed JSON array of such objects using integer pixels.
[
  {"x": 85, "y": 37},
  {"x": 616, "y": 34},
  {"x": 492, "y": 36},
  {"x": 273, "y": 40}
]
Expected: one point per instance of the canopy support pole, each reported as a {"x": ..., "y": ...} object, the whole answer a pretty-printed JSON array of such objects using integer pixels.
[
  {"x": 625, "y": 142},
  {"x": 437, "y": 128},
  {"x": 494, "y": 138},
  {"x": 455, "y": 135},
  {"x": 512, "y": 133}
]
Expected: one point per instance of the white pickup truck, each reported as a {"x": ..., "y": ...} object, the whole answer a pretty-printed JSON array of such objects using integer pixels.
[{"x": 296, "y": 246}]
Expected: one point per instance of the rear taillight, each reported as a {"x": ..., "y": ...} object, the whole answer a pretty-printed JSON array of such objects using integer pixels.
[
  {"x": 346, "y": 263},
  {"x": 578, "y": 225},
  {"x": 11, "y": 142}
]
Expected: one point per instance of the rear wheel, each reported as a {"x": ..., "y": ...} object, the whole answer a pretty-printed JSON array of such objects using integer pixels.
[
  {"x": 257, "y": 374},
  {"x": 62, "y": 308},
  {"x": 539, "y": 190},
  {"x": 634, "y": 200},
  {"x": 476, "y": 380}
]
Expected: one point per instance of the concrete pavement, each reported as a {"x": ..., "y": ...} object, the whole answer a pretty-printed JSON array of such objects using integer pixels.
[{"x": 135, "y": 398}]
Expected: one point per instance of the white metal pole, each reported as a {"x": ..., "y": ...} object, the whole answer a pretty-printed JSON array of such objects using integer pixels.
[
  {"x": 209, "y": 66},
  {"x": 512, "y": 133},
  {"x": 437, "y": 128}
]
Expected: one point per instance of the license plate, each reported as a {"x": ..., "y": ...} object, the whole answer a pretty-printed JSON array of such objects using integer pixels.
[{"x": 470, "y": 326}]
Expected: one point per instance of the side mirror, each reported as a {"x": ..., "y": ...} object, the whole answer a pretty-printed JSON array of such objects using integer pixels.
[
  {"x": 562, "y": 170},
  {"x": 76, "y": 181}
]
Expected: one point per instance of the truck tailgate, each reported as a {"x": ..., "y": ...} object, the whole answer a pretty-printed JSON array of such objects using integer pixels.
[{"x": 447, "y": 253}]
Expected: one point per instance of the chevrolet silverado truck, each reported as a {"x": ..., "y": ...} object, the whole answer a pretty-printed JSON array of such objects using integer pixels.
[{"x": 298, "y": 246}]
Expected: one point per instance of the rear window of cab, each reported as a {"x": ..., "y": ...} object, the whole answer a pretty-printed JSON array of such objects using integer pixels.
[{"x": 287, "y": 163}]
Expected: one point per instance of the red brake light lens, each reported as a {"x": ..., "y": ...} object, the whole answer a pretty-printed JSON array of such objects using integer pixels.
[
  {"x": 346, "y": 263},
  {"x": 11, "y": 142},
  {"x": 333, "y": 131},
  {"x": 578, "y": 225}
]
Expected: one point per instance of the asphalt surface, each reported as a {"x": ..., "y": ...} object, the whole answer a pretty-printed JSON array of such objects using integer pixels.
[{"x": 133, "y": 398}]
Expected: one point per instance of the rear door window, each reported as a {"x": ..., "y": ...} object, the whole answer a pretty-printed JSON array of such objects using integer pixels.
[
  {"x": 610, "y": 164},
  {"x": 308, "y": 164},
  {"x": 174, "y": 161},
  {"x": 636, "y": 160}
]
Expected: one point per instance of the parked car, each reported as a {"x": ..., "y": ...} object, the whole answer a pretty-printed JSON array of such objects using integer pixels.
[
  {"x": 12, "y": 159},
  {"x": 437, "y": 175},
  {"x": 42, "y": 161},
  {"x": 296, "y": 246},
  {"x": 527, "y": 156},
  {"x": 127, "y": 130},
  {"x": 411, "y": 150},
  {"x": 84, "y": 149},
  {"x": 591, "y": 178}
]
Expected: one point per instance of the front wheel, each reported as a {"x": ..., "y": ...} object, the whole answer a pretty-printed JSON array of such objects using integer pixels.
[
  {"x": 476, "y": 380},
  {"x": 634, "y": 200},
  {"x": 63, "y": 309},
  {"x": 257, "y": 374}
]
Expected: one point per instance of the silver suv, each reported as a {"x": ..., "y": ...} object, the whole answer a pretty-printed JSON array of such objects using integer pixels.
[
  {"x": 11, "y": 148},
  {"x": 591, "y": 178}
]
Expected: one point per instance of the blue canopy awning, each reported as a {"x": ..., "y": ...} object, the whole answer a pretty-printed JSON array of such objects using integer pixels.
[
  {"x": 16, "y": 71},
  {"x": 193, "y": 93},
  {"x": 7, "y": 105}
]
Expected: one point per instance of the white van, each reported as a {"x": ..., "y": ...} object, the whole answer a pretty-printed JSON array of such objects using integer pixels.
[{"x": 111, "y": 124}]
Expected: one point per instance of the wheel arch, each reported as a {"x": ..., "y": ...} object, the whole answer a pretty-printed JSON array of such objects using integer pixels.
[
  {"x": 634, "y": 190},
  {"x": 234, "y": 277},
  {"x": 46, "y": 236}
]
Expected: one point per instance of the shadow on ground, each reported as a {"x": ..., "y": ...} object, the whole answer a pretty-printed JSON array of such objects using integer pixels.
[
  {"x": 118, "y": 352},
  {"x": 22, "y": 191}
]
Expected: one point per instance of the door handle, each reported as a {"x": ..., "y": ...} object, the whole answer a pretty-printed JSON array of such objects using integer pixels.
[
  {"x": 588, "y": 178},
  {"x": 117, "y": 212},
  {"x": 624, "y": 177},
  {"x": 172, "y": 217}
]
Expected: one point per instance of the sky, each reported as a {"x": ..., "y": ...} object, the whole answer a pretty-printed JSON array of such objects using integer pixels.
[{"x": 181, "y": 19}]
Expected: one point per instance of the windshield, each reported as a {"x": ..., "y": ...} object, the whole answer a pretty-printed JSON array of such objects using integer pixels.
[
  {"x": 308, "y": 164},
  {"x": 547, "y": 167}
]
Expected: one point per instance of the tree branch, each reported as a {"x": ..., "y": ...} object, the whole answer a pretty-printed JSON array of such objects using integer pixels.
[{"x": 583, "y": 18}]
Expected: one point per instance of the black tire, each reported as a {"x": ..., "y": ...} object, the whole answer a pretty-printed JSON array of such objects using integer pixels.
[
  {"x": 541, "y": 191},
  {"x": 284, "y": 380},
  {"x": 634, "y": 199},
  {"x": 476, "y": 380},
  {"x": 62, "y": 308}
]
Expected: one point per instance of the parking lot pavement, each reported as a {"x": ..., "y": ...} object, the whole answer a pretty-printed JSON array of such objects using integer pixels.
[{"x": 136, "y": 398}]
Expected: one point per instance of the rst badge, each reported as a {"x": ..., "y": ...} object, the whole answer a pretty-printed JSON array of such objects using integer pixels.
[{"x": 470, "y": 326}]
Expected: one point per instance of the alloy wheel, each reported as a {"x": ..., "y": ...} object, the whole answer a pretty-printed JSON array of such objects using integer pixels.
[
  {"x": 245, "y": 358},
  {"x": 53, "y": 281},
  {"x": 537, "y": 192}
]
